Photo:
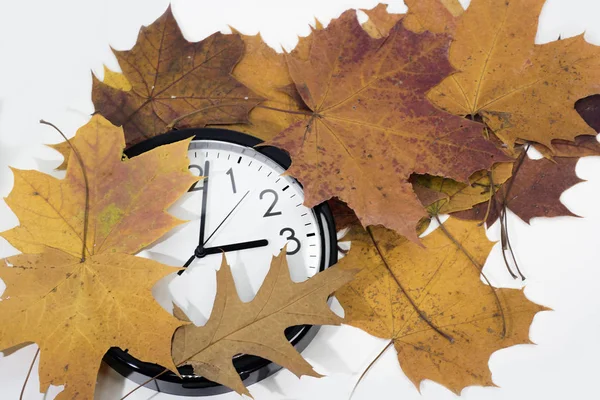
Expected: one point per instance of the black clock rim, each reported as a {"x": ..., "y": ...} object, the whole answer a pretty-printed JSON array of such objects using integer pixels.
[{"x": 249, "y": 367}]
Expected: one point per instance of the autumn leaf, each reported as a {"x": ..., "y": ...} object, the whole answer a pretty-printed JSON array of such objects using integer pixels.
[
  {"x": 380, "y": 21},
  {"x": 455, "y": 196},
  {"x": 78, "y": 301},
  {"x": 437, "y": 16},
  {"x": 257, "y": 327},
  {"x": 265, "y": 72},
  {"x": 431, "y": 303},
  {"x": 175, "y": 80},
  {"x": 519, "y": 89},
  {"x": 533, "y": 191},
  {"x": 582, "y": 146},
  {"x": 371, "y": 125},
  {"x": 589, "y": 109}
]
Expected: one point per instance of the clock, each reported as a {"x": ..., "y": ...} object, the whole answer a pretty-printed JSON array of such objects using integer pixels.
[{"x": 246, "y": 208}]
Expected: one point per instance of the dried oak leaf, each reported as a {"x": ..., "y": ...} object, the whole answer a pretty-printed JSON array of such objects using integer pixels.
[
  {"x": 520, "y": 90},
  {"x": 172, "y": 78},
  {"x": 257, "y": 327},
  {"x": 437, "y": 282},
  {"x": 372, "y": 126},
  {"x": 455, "y": 196},
  {"x": 533, "y": 191},
  {"x": 75, "y": 311}
]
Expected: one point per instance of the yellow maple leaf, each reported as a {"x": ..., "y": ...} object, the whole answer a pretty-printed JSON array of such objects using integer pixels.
[
  {"x": 76, "y": 304},
  {"x": 430, "y": 301}
]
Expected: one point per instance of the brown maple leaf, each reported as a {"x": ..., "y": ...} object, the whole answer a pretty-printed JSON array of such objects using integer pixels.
[
  {"x": 380, "y": 21},
  {"x": 431, "y": 303},
  {"x": 372, "y": 126},
  {"x": 589, "y": 109},
  {"x": 533, "y": 191},
  {"x": 78, "y": 301},
  {"x": 444, "y": 195},
  {"x": 257, "y": 327},
  {"x": 437, "y": 16},
  {"x": 265, "y": 72},
  {"x": 173, "y": 80},
  {"x": 519, "y": 89}
]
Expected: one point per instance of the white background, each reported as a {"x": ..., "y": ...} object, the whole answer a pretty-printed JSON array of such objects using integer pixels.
[{"x": 47, "y": 49}]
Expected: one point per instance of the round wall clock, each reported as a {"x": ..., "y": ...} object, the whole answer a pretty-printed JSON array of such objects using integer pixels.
[{"x": 246, "y": 209}]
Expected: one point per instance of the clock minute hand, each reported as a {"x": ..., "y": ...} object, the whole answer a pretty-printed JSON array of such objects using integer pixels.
[
  {"x": 236, "y": 246},
  {"x": 224, "y": 219},
  {"x": 200, "y": 250}
]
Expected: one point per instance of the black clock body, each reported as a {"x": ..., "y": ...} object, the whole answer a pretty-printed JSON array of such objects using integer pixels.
[{"x": 251, "y": 369}]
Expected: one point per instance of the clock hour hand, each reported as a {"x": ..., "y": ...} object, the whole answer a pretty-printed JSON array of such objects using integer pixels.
[{"x": 235, "y": 247}]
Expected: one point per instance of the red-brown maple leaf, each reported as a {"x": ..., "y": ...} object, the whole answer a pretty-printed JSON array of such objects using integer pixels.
[{"x": 372, "y": 125}]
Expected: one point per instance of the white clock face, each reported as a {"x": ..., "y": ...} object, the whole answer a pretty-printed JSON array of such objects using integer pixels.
[{"x": 250, "y": 211}]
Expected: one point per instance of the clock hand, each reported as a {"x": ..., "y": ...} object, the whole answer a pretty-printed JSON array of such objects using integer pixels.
[
  {"x": 202, "y": 215},
  {"x": 200, "y": 250},
  {"x": 234, "y": 247},
  {"x": 224, "y": 219},
  {"x": 204, "y": 203}
]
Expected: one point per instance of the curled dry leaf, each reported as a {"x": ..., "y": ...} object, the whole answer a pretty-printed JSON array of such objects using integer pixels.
[
  {"x": 371, "y": 125},
  {"x": 76, "y": 310},
  {"x": 257, "y": 327},
  {"x": 533, "y": 191},
  {"x": 519, "y": 89},
  {"x": 404, "y": 291},
  {"x": 458, "y": 196},
  {"x": 582, "y": 146},
  {"x": 175, "y": 80}
]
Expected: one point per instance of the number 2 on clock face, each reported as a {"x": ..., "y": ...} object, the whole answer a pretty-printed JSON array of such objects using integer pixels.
[{"x": 271, "y": 210}]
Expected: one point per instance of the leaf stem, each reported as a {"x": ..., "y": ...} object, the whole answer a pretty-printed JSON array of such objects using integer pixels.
[
  {"x": 143, "y": 384},
  {"x": 410, "y": 300},
  {"x": 307, "y": 113},
  {"x": 369, "y": 367},
  {"x": 177, "y": 120},
  {"x": 506, "y": 246},
  {"x": 29, "y": 373},
  {"x": 489, "y": 206},
  {"x": 86, "y": 213},
  {"x": 479, "y": 269}
]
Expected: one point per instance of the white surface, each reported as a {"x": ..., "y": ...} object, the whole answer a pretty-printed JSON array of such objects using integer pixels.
[{"x": 47, "y": 50}]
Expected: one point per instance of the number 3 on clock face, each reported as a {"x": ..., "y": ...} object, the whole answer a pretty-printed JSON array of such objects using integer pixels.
[
  {"x": 246, "y": 202},
  {"x": 246, "y": 209}
]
